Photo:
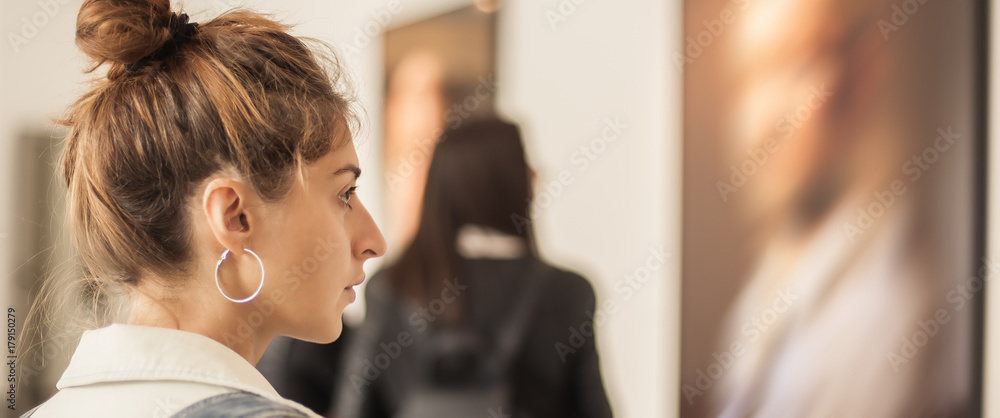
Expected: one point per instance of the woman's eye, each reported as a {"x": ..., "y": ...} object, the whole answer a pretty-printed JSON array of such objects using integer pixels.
[{"x": 346, "y": 197}]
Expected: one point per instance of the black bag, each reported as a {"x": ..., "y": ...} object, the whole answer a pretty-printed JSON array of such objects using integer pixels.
[{"x": 461, "y": 373}]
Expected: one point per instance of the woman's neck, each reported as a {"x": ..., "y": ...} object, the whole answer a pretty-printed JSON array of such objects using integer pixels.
[{"x": 193, "y": 311}]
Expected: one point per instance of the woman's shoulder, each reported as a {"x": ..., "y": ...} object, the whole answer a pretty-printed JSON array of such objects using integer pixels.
[{"x": 564, "y": 283}]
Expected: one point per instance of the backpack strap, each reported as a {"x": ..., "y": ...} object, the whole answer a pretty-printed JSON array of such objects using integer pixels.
[
  {"x": 513, "y": 331},
  {"x": 239, "y": 404}
]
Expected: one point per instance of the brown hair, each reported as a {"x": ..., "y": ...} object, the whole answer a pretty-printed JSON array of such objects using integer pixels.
[
  {"x": 174, "y": 104},
  {"x": 238, "y": 94}
]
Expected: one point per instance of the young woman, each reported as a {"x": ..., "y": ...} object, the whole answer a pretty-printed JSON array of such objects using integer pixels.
[{"x": 211, "y": 178}]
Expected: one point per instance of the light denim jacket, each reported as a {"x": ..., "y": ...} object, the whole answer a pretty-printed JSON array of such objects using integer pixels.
[{"x": 139, "y": 371}]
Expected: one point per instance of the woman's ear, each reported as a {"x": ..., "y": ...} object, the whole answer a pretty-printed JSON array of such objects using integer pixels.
[{"x": 225, "y": 205}]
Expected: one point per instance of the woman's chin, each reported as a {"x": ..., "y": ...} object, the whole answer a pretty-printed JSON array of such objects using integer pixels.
[
  {"x": 323, "y": 324},
  {"x": 325, "y": 334}
]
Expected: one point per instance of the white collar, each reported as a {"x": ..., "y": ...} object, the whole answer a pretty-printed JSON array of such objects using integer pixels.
[
  {"x": 122, "y": 352},
  {"x": 474, "y": 241}
]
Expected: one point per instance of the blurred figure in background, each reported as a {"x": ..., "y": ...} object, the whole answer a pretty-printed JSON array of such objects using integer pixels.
[
  {"x": 468, "y": 321},
  {"x": 847, "y": 272}
]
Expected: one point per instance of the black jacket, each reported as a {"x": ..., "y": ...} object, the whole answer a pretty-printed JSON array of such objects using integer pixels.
[{"x": 554, "y": 372}]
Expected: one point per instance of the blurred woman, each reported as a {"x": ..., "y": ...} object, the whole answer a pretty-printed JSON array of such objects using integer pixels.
[
  {"x": 211, "y": 177},
  {"x": 468, "y": 321},
  {"x": 487, "y": 318}
]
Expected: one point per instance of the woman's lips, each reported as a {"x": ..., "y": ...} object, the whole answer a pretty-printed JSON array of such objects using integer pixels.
[{"x": 361, "y": 280}]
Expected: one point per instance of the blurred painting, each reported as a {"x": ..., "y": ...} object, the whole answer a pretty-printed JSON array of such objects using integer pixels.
[
  {"x": 833, "y": 259},
  {"x": 439, "y": 73}
]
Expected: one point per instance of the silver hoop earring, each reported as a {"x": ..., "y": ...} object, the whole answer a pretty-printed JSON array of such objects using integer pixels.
[{"x": 249, "y": 298}]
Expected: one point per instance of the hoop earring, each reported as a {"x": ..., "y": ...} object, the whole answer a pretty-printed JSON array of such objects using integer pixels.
[{"x": 249, "y": 298}]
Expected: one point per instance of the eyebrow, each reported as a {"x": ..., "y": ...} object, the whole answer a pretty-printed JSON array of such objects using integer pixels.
[{"x": 350, "y": 168}]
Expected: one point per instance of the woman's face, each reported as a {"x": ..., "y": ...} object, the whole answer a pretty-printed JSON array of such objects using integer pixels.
[{"x": 314, "y": 243}]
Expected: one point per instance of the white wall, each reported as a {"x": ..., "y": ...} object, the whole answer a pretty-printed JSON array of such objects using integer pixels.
[
  {"x": 39, "y": 75},
  {"x": 606, "y": 60}
]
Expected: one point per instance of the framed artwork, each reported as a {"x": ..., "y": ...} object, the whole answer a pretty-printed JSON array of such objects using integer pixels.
[
  {"x": 439, "y": 72},
  {"x": 833, "y": 208}
]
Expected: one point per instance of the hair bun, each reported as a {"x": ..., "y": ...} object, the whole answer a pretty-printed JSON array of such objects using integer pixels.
[{"x": 122, "y": 31}]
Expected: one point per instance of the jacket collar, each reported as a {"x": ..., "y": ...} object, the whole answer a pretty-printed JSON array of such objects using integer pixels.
[
  {"x": 475, "y": 241},
  {"x": 122, "y": 352}
]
